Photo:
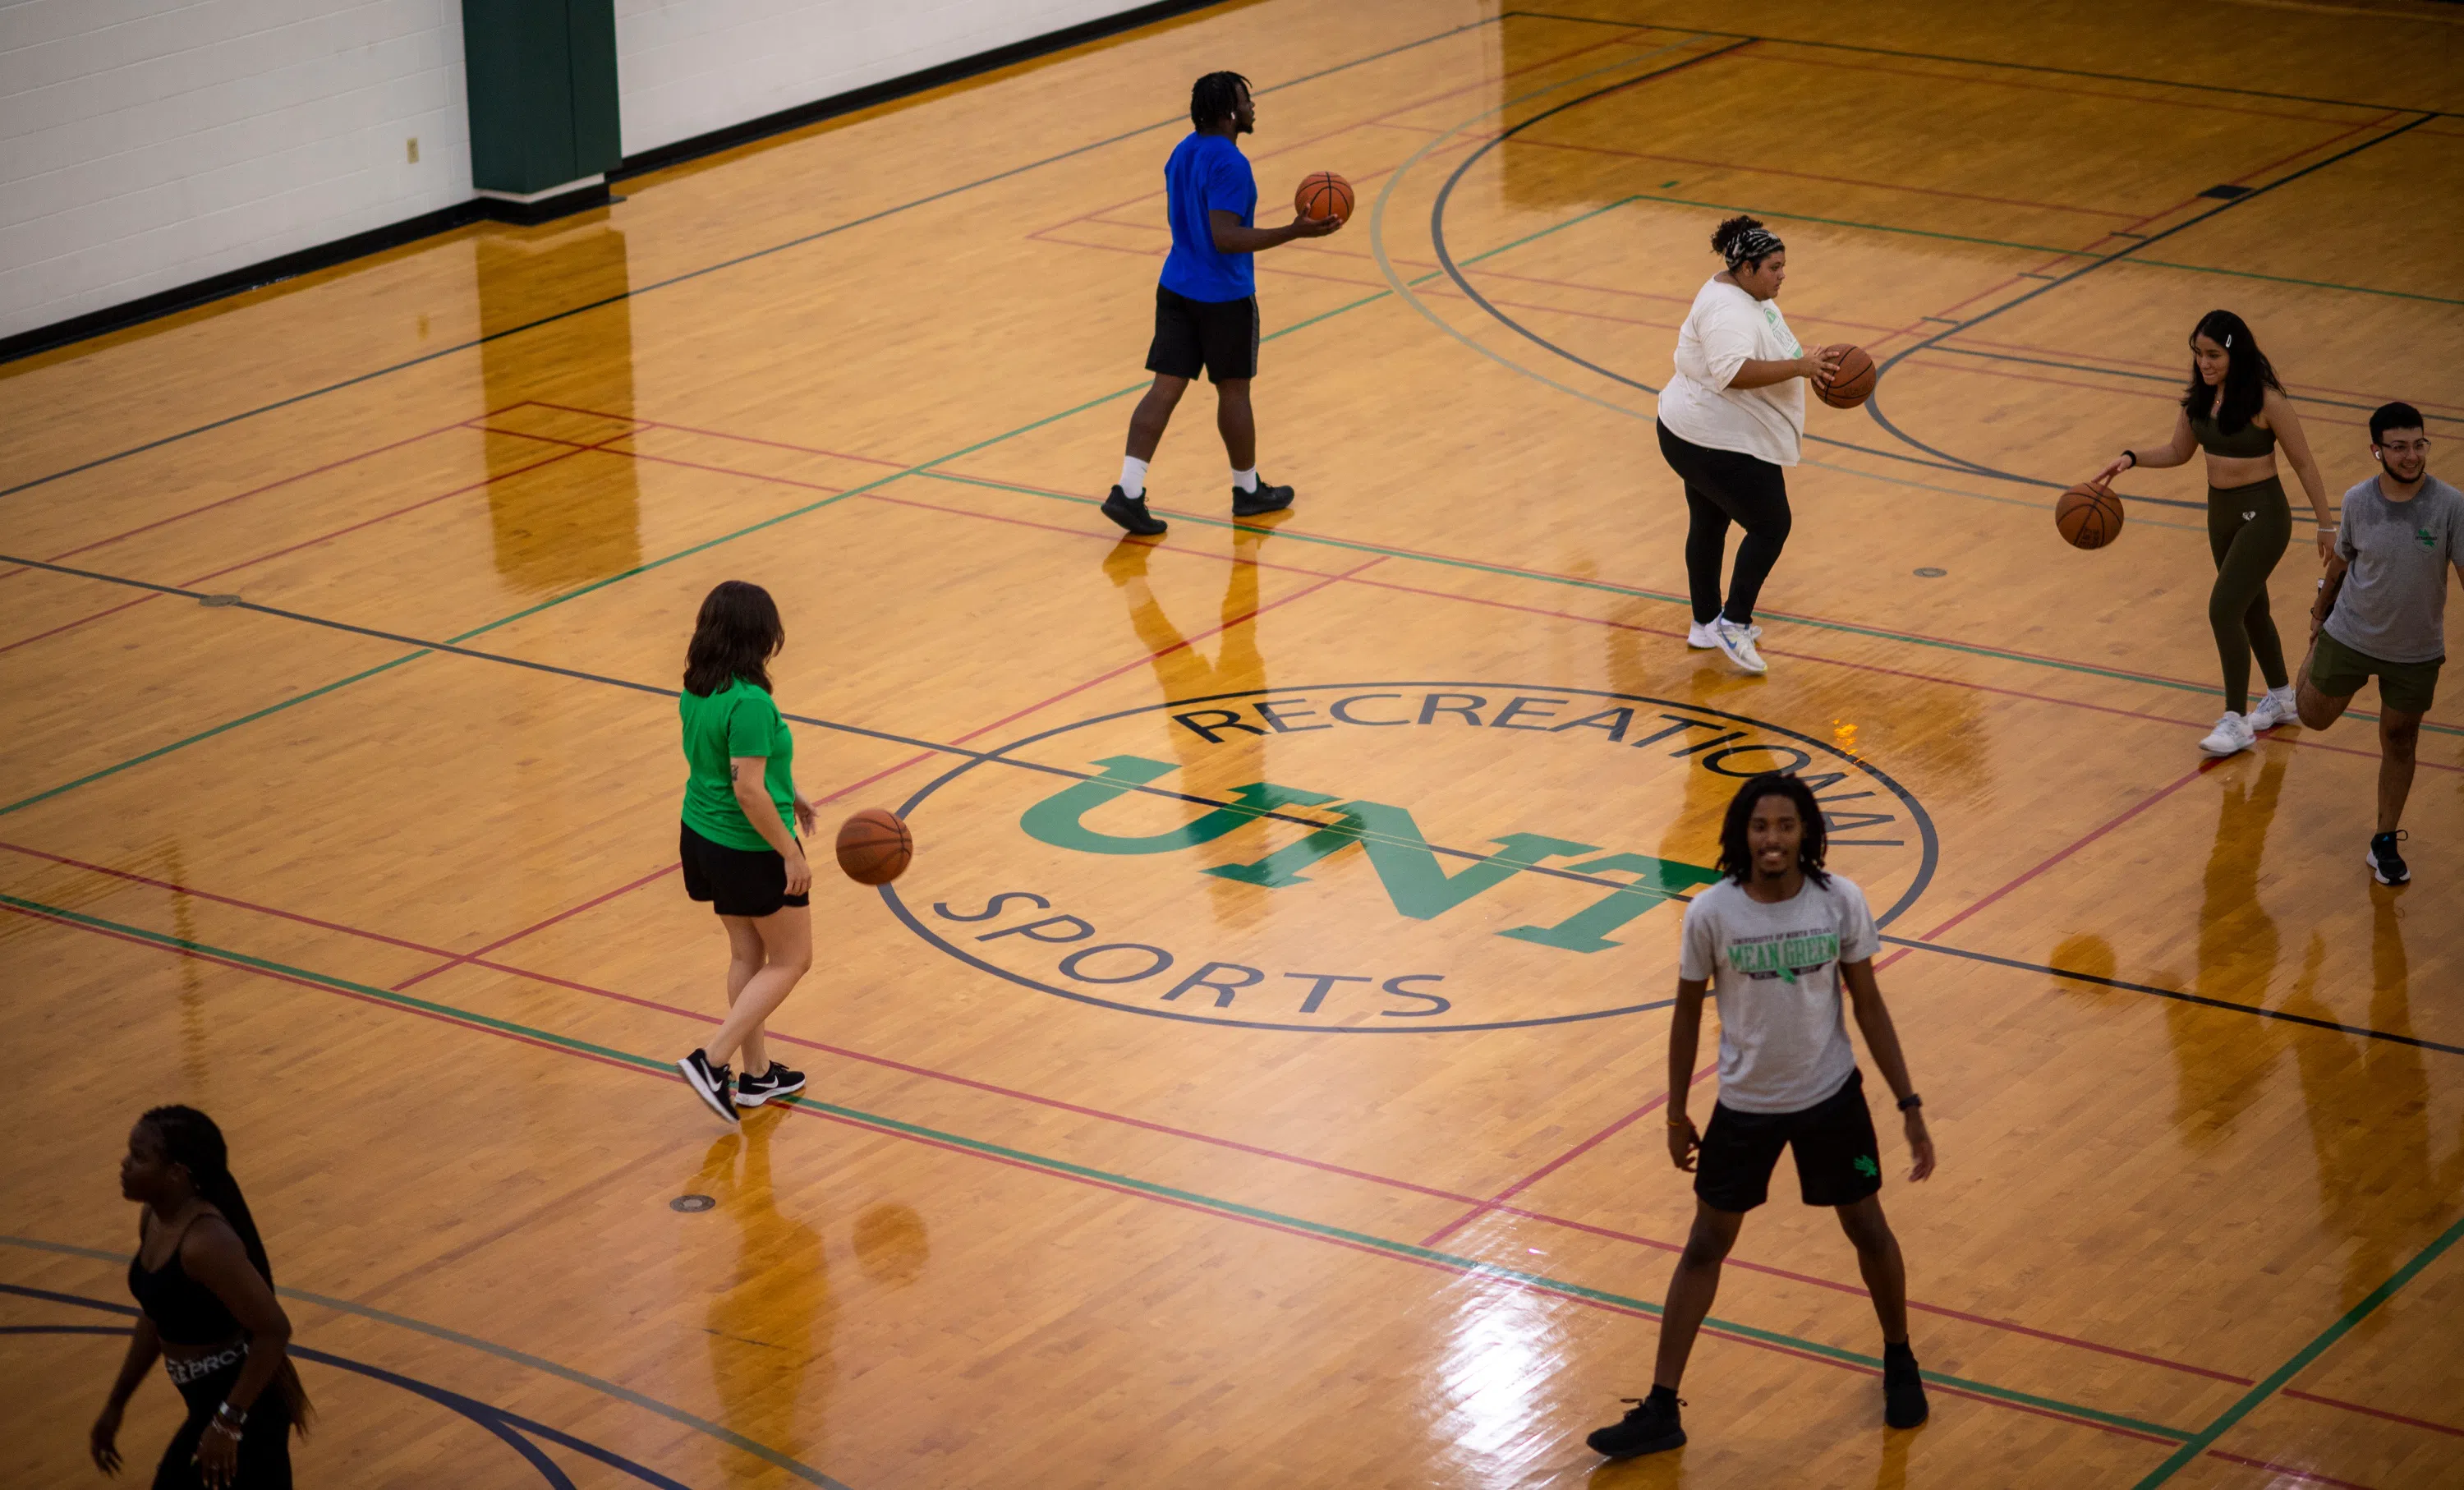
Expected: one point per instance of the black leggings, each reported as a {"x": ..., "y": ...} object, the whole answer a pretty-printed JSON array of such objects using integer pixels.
[
  {"x": 1724, "y": 487},
  {"x": 264, "y": 1444},
  {"x": 2248, "y": 527}
]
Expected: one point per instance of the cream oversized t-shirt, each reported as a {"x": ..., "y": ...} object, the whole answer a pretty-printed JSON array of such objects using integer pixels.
[{"x": 1726, "y": 326}]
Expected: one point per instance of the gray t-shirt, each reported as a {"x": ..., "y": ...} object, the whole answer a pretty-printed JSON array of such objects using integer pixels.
[
  {"x": 2393, "y": 605},
  {"x": 1775, "y": 971}
]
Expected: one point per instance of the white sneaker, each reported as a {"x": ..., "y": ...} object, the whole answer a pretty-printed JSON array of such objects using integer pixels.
[
  {"x": 1699, "y": 636},
  {"x": 1736, "y": 643},
  {"x": 2231, "y": 736},
  {"x": 2275, "y": 708}
]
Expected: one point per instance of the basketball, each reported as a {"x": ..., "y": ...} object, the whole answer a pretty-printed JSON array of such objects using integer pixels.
[
  {"x": 2089, "y": 516},
  {"x": 874, "y": 846},
  {"x": 1325, "y": 194},
  {"x": 1852, "y": 384}
]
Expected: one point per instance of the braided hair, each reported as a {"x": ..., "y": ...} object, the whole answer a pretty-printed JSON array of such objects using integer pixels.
[
  {"x": 1215, "y": 97},
  {"x": 1737, "y": 853},
  {"x": 192, "y": 1140}
]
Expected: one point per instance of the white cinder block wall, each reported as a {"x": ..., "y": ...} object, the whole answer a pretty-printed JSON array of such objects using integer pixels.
[
  {"x": 146, "y": 145},
  {"x": 687, "y": 67}
]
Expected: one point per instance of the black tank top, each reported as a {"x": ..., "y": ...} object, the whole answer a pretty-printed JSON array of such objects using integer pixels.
[{"x": 184, "y": 1310}]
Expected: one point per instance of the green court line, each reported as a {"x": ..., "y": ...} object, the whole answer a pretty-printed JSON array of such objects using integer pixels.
[
  {"x": 1062, "y": 1167},
  {"x": 2197, "y": 1443},
  {"x": 675, "y": 1415}
]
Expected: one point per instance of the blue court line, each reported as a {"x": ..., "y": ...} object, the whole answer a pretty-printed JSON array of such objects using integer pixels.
[{"x": 675, "y": 1415}]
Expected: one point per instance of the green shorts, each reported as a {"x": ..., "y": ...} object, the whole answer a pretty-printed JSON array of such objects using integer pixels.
[{"x": 2339, "y": 671}]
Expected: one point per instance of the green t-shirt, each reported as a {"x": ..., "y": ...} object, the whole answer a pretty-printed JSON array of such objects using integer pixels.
[{"x": 740, "y": 719}]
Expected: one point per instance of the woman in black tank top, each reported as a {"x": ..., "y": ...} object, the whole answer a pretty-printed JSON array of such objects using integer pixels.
[{"x": 201, "y": 1276}]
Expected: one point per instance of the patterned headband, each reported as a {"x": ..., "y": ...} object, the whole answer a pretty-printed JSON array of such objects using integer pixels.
[{"x": 1752, "y": 244}]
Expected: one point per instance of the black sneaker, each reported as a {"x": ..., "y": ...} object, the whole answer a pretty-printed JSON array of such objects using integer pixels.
[
  {"x": 709, "y": 1083},
  {"x": 769, "y": 1086},
  {"x": 1264, "y": 500},
  {"x": 2386, "y": 865},
  {"x": 1904, "y": 1397},
  {"x": 1651, "y": 1428},
  {"x": 1131, "y": 512}
]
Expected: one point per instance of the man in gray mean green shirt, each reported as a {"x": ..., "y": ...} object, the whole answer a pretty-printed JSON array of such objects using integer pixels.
[{"x": 2382, "y": 612}]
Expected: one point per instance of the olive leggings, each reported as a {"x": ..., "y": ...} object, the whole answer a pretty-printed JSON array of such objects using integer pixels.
[{"x": 2247, "y": 530}]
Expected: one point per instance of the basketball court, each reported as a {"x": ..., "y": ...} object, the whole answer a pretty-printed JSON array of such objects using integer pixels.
[{"x": 1256, "y": 1079}]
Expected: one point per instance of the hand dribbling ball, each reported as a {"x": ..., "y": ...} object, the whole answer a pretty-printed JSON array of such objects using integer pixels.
[
  {"x": 2089, "y": 516},
  {"x": 874, "y": 846},
  {"x": 1323, "y": 194},
  {"x": 1853, "y": 383}
]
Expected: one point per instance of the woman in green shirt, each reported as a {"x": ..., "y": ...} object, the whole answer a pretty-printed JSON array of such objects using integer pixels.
[{"x": 738, "y": 852}]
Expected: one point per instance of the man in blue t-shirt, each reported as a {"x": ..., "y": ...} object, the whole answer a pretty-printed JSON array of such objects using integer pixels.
[{"x": 1206, "y": 307}]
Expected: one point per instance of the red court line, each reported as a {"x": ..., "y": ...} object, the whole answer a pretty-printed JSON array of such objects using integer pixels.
[
  {"x": 314, "y": 471},
  {"x": 480, "y": 961},
  {"x": 322, "y": 537},
  {"x": 1558, "y": 1163},
  {"x": 742, "y": 438},
  {"x": 2392, "y": 1417},
  {"x": 457, "y": 959},
  {"x": 1458, "y": 1270}
]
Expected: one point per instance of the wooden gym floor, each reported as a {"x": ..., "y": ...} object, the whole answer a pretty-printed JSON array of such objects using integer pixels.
[{"x": 340, "y": 777}]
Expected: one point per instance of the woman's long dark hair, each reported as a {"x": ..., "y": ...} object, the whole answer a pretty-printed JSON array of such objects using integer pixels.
[
  {"x": 1737, "y": 855},
  {"x": 190, "y": 1140},
  {"x": 2247, "y": 374},
  {"x": 737, "y": 634}
]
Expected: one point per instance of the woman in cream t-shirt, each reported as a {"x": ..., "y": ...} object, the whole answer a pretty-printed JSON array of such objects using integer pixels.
[{"x": 1731, "y": 419}]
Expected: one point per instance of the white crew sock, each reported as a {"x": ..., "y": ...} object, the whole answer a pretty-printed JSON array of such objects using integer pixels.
[
  {"x": 1246, "y": 480},
  {"x": 1133, "y": 478}
]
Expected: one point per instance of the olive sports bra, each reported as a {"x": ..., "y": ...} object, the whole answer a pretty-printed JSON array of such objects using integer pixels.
[{"x": 2242, "y": 443}]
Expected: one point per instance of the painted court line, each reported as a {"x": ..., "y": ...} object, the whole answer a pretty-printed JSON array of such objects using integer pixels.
[
  {"x": 1462, "y": 1266},
  {"x": 1478, "y": 1206}
]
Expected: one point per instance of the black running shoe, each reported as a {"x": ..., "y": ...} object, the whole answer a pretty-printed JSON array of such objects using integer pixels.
[
  {"x": 1264, "y": 500},
  {"x": 709, "y": 1083},
  {"x": 2386, "y": 865},
  {"x": 1132, "y": 514},
  {"x": 1651, "y": 1428},
  {"x": 770, "y": 1086},
  {"x": 1904, "y": 1397}
]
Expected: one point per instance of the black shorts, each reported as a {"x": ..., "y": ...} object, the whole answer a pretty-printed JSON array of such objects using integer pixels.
[
  {"x": 1221, "y": 335},
  {"x": 737, "y": 882},
  {"x": 1837, "y": 1162}
]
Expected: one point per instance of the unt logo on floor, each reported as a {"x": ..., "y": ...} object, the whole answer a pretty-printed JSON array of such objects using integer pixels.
[{"x": 1370, "y": 858}]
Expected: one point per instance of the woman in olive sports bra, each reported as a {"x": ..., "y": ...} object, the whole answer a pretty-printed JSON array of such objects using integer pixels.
[{"x": 2237, "y": 411}]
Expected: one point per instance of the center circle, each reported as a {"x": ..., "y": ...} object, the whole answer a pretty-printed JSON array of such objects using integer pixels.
[{"x": 1370, "y": 857}]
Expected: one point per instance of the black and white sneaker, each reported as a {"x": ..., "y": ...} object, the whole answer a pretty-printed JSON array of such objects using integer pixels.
[
  {"x": 1267, "y": 499},
  {"x": 2386, "y": 865},
  {"x": 709, "y": 1083},
  {"x": 1131, "y": 512},
  {"x": 772, "y": 1085},
  {"x": 1653, "y": 1427}
]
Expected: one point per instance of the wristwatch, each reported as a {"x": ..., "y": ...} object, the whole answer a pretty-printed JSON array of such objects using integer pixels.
[{"x": 1910, "y": 1102}]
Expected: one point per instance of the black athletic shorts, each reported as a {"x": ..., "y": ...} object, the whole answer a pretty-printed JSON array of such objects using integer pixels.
[
  {"x": 737, "y": 882},
  {"x": 1221, "y": 335},
  {"x": 1837, "y": 1162}
]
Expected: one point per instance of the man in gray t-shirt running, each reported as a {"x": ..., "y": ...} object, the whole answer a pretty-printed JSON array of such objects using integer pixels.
[{"x": 2382, "y": 611}]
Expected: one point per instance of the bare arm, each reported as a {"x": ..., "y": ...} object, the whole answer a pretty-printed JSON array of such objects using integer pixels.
[
  {"x": 1883, "y": 1039},
  {"x": 2174, "y": 452},
  {"x": 1232, "y": 237},
  {"x": 102, "y": 1440},
  {"x": 2289, "y": 433},
  {"x": 1684, "y": 1041},
  {"x": 745, "y": 775},
  {"x": 2329, "y": 584},
  {"x": 211, "y": 1254},
  {"x": 1761, "y": 372}
]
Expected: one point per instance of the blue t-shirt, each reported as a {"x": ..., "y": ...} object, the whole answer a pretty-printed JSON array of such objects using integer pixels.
[{"x": 1207, "y": 173}]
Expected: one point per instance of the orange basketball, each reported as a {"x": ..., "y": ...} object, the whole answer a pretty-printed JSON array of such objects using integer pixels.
[
  {"x": 2089, "y": 516},
  {"x": 1325, "y": 194},
  {"x": 874, "y": 846},
  {"x": 1852, "y": 384}
]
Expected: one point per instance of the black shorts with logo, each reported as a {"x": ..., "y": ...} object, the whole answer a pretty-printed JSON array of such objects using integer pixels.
[
  {"x": 1837, "y": 1162},
  {"x": 737, "y": 882},
  {"x": 1219, "y": 335}
]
